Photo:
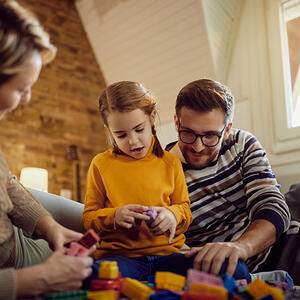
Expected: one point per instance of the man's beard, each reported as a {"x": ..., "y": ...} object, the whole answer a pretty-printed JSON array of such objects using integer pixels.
[{"x": 210, "y": 157}]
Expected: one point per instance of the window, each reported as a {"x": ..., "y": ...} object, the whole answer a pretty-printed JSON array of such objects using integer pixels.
[
  {"x": 291, "y": 16},
  {"x": 282, "y": 16}
]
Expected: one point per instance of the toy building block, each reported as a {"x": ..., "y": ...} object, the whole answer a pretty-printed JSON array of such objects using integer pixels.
[
  {"x": 89, "y": 239},
  {"x": 229, "y": 283},
  {"x": 169, "y": 281},
  {"x": 106, "y": 285},
  {"x": 202, "y": 277},
  {"x": 70, "y": 295},
  {"x": 166, "y": 295},
  {"x": 76, "y": 249},
  {"x": 80, "y": 248},
  {"x": 152, "y": 213},
  {"x": 195, "y": 296},
  {"x": 279, "y": 284},
  {"x": 258, "y": 288},
  {"x": 241, "y": 282},
  {"x": 267, "y": 297},
  {"x": 101, "y": 295},
  {"x": 201, "y": 288},
  {"x": 109, "y": 270},
  {"x": 134, "y": 289}
]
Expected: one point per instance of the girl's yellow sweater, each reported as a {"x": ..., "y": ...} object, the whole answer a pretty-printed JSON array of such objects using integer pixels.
[{"x": 115, "y": 180}]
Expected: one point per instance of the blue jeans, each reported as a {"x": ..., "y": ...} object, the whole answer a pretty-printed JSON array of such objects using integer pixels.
[{"x": 141, "y": 267}]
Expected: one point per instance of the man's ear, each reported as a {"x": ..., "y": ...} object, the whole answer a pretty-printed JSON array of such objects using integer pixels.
[
  {"x": 227, "y": 130},
  {"x": 152, "y": 117},
  {"x": 176, "y": 122}
]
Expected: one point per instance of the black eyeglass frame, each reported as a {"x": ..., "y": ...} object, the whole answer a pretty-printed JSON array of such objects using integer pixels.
[{"x": 201, "y": 136}]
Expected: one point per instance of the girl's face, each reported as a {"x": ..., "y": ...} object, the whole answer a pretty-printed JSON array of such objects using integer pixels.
[
  {"x": 132, "y": 131},
  {"x": 18, "y": 88}
]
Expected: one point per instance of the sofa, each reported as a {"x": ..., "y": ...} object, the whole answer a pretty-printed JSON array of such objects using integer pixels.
[{"x": 65, "y": 211}]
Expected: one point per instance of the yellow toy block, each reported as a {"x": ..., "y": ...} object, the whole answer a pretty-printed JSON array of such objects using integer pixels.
[
  {"x": 169, "y": 281},
  {"x": 101, "y": 295},
  {"x": 201, "y": 288},
  {"x": 109, "y": 270},
  {"x": 134, "y": 289},
  {"x": 258, "y": 288}
]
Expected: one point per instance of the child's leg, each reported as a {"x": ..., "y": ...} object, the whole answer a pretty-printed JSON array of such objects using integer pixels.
[
  {"x": 179, "y": 264},
  {"x": 136, "y": 268}
]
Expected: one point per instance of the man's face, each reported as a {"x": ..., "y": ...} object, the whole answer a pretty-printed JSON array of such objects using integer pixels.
[{"x": 197, "y": 155}]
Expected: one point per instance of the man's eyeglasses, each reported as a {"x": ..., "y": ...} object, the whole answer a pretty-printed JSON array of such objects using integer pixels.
[{"x": 208, "y": 140}]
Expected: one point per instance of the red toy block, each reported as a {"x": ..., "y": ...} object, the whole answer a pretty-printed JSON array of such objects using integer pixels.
[
  {"x": 104, "y": 285},
  {"x": 89, "y": 239}
]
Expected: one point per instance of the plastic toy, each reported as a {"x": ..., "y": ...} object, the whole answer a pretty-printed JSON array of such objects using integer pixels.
[
  {"x": 109, "y": 270},
  {"x": 80, "y": 248},
  {"x": 70, "y": 295},
  {"x": 258, "y": 288},
  {"x": 134, "y": 289},
  {"x": 195, "y": 296},
  {"x": 152, "y": 213},
  {"x": 101, "y": 295},
  {"x": 169, "y": 281},
  {"x": 89, "y": 239},
  {"x": 202, "y": 288},
  {"x": 202, "y": 277},
  {"x": 166, "y": 295}
]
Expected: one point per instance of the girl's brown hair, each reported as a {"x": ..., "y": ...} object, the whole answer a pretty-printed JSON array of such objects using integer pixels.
[
  {"x": 20, "y": 35},
  {"x": 126, "y": 96}
]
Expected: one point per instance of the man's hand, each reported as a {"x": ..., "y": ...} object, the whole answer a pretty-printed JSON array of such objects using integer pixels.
[
  {"x": 164, "y": 222},
  {"x": 211, "y": 256},
  {"x": 125, "y": 215},
  {"x": 57, "y": 273},
  {"x": 55, "y": 234}
]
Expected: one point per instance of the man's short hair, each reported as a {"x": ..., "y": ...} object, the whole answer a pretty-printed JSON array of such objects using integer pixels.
[{"x": 205, "y": 95}]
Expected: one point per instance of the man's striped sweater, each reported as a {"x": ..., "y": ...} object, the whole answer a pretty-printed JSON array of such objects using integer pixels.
[{"x": 231, "y": 192}]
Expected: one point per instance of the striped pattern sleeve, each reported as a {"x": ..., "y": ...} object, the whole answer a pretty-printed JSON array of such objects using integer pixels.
[
  {"x": 231, "y": 192},
  {"x": 264, "y": 200}
]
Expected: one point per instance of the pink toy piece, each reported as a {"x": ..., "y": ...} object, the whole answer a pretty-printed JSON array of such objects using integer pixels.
[
  {"x": 76, "y": 249},
  {"x": 241, "y": 282},
  {"x": 89, "y": 239},
  {"x": 202, "y": 277}
]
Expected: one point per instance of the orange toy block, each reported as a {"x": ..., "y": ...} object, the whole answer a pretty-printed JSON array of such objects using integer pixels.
[
  {"x": 169, "y": 281},
  {"x": 134, "y": 289},
  {"x": 258, "y": 288},
  {"x": 109, "y": 270},
  {"x": 201, "y": 288}
]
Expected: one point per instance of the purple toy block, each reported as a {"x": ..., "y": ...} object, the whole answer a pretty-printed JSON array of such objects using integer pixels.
[{"x": 202, "y": 277}]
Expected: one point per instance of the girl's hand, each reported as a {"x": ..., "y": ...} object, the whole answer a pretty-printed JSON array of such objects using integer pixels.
[
  {"x": 165, "y": 221},
  {"x": 55, "y": 234},
  {"x": 125, "y": 215}
]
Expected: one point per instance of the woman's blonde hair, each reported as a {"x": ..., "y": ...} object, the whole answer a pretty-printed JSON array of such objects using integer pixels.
[
  {"x": 20, "y": 35},
  {"x": 126, "y": 96}
]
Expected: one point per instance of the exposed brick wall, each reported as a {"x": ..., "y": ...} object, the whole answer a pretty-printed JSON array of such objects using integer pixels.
[{"x": 63, "y": 108}]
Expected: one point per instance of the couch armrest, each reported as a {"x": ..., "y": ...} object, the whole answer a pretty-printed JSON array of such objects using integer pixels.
[{"x": 65, "y": 211}]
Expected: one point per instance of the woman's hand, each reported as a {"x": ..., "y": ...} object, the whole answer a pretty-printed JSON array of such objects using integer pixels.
[
  {"x": 55, "y": 234},
  {"x": 126, "y": 215},
  {"x": 165, "y": 222},
  {"x": 57, "y": 273}
]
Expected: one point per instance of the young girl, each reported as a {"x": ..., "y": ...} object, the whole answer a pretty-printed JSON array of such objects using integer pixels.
[{"x": 126, "y": 180}]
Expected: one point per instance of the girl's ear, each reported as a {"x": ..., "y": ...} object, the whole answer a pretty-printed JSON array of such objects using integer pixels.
[{"x": 152, "y": 117}]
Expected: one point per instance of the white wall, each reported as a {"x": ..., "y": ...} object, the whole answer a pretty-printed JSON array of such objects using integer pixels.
[{"x": 251, "y": 82}]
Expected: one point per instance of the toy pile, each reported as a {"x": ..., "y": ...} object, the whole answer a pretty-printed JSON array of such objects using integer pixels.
[{"x": 169, "y": 286}]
